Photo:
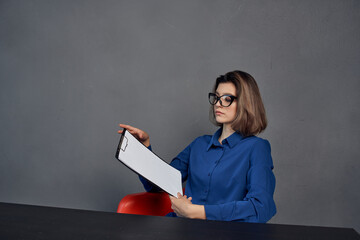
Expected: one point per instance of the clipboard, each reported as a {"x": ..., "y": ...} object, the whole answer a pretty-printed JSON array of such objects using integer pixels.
[{"x": 141, "y": 160}]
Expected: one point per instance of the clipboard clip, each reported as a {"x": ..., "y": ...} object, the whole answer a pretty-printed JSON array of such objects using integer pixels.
[{"x": 126, "y": 144}]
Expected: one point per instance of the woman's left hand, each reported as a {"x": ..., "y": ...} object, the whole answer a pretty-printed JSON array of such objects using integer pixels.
[{"x": 183, "y": 207}]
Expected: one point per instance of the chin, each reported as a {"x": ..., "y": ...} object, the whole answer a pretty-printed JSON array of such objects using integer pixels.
[{"x": 220, "y": 121}]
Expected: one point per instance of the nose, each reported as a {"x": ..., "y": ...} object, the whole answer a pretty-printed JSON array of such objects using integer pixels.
[{"x": 217, "y": 105}]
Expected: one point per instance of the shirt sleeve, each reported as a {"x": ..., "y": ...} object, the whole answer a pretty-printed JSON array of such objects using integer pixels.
[
  {"x": 181, "y": 162},
  {"x": 258, "y": 204}
]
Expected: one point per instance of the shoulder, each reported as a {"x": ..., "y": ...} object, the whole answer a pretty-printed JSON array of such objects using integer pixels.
[
  {"x": 200, "y": 142},
  {"x": 259, "y": 144},
  {"x": 204, "y": 139},
  {"x": 260, "y": 151}
]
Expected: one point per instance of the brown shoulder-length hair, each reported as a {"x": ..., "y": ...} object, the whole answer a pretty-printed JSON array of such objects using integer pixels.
[{"x": 250, "y": 113}]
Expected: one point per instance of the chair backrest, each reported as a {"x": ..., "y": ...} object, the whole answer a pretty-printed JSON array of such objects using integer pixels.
[{"x": 145, "y": 203}]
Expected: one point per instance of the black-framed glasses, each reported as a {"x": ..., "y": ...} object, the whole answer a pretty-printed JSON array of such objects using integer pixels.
[{"x": 225, "y": 100}]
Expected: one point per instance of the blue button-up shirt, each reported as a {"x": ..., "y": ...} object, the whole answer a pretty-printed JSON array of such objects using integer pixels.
[{"x": 233, "y": 180}]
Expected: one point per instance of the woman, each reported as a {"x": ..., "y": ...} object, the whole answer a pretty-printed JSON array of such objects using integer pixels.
[{"x": 229, "y": 174}]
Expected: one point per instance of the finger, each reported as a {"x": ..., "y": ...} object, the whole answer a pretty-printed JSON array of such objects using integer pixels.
[
  {"x": 123, "y": 125},
  {"x": 134, "y": 132},
  {"x": 128, "y": 127},
  {"x": 190, "y": 198},
  {"x": 178, "y": 195}
]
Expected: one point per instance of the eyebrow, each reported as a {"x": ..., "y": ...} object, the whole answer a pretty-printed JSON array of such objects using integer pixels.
[{"x": 225, "y": 94}]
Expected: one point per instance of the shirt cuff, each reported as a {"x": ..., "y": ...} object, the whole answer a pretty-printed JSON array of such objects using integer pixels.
[{"x": 213, "y": 212}]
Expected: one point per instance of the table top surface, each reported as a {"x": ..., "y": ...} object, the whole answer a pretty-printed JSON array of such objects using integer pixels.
[{"x": 18, "y": 221}]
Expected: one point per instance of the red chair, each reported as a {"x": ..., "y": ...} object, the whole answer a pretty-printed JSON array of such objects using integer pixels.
[{"x": 146, "y": 203}]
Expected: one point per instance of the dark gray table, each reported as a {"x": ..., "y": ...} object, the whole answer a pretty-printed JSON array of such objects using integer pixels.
[{"x": 19, "y": 221}]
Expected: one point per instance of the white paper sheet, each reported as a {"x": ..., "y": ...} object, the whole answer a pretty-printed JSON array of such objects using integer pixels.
[{"x": 140, "y": 159}]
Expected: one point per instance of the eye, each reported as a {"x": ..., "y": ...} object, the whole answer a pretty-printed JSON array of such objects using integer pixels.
[{"x": 227, "y": 99}]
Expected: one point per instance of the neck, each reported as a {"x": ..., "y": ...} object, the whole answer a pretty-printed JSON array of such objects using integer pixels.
[{"x": 226, "y": 132}]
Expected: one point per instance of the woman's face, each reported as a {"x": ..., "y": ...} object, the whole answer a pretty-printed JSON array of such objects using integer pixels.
[{"x": 225, "y": 115}]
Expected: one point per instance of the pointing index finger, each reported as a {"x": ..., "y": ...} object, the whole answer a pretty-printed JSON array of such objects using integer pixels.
[{"x": 128, "y": 127}]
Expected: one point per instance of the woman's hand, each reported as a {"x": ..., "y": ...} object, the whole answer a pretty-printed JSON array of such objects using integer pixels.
[
  {"x": 142, "y": 136},
  {"x": 183, "y": 207}
]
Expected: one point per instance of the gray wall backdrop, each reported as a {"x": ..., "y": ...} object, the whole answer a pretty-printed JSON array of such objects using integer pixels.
[{"x": 70, "y": 71}]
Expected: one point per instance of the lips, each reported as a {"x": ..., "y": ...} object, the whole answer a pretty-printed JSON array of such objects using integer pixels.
[{"x": 218, "y": 113}]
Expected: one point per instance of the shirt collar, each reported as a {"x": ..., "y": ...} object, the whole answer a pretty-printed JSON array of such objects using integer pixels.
[{"x": 232, "y": 140}]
